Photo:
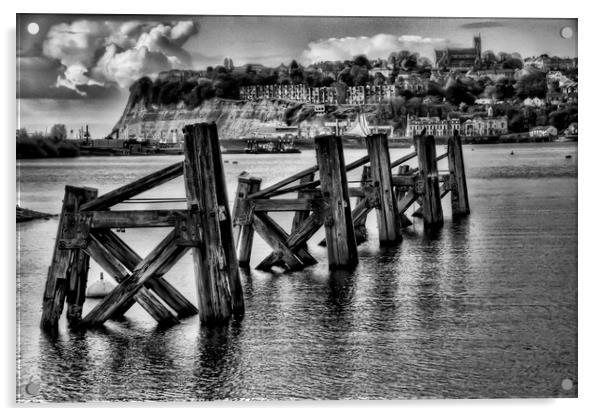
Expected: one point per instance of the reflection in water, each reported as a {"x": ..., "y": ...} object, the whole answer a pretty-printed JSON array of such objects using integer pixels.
[
  {"x": 216, "y": 367},
  {"x": 484, "y": 307}
]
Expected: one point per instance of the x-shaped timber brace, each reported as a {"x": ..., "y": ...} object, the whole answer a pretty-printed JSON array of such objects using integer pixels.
[
  {"x": 205, "y": 227},
  {"x": 325, "y": 201}
]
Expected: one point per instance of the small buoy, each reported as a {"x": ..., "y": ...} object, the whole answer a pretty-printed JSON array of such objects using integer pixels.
[
  {"x": 234, "y": 162},
  {"x": 100, "y": 289},
  {"x": 512, "y": 152},
  {"x": 568, "y": 156},
  {"x": 226, "y": 161}
]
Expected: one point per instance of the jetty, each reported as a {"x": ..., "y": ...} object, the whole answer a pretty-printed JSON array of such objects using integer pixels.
[{"x": 221, "y": 241}]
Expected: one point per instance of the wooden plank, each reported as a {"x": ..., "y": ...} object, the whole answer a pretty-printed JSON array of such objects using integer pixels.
[
  {"x": 427, "y": 165},
  {"x": 264, "y": 227},
  {"x": 404, "y": 180},
  {"x": 62, "y": 260},
  {"x": 305, "y": 186},
  {"x": 296, "y": 242},
  {"x": 135, "y": 219},
  {"x": 389, "y": 227},
  {"x": 268, "y": 205},
  {"x": 403, "y": 159},
  {"x": 459, "y": 198},
  {"x": 243, "y": 218},
  {"x": 165, "y": 254},
  {"x": 400, "y": 193},
  {"x": 134, "y": 188},
  {"x": 441, "y": 156},
  {"x": 269, "y": 190},
  {"x": 340, "y": 236},
  {"x": 407, "y": 201},
  {"x": 161, "y": 287},
  {"x": 219, "y": 288},
  {"x": 120, "y": 273}
]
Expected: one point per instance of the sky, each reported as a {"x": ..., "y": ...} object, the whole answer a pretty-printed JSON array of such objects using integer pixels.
[{"x": 76, "y": 69}]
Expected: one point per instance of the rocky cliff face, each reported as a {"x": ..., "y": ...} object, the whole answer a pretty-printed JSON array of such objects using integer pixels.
[{"x": 234, "y": 118}]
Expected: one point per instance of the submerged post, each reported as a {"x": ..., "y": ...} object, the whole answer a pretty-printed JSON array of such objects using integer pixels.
[
  {"x": 243, "y": 218},
  {"x": 459, "y": 191},
  {"x": 389, "y": 228},
  {"x": 340, "y": 236},
  {"x": 429, "y": 174},
  {"x": 68, "y": 272},
  {"x": 210, "y": 227}
]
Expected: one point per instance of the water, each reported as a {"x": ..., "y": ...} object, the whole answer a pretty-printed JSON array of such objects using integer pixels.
[{"x": 486, "y": 308}]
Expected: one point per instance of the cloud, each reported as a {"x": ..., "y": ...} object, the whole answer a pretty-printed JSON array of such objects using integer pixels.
[
  {"x": 482, "y": 25},
  {"x": 107, "y": 54},
  {"x": 377, "y": 46}
]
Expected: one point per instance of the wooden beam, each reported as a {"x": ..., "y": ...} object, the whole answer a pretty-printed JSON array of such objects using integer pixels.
[
  {"x": 406, "y": 202},
  {"x": 135, "y": 219},
  {"x": 427, "y": 165},
  {"x": 243, "y": 218},
  {"x": 340, "y": 236},
  {"x": 459, "y": 198},
  {"x": 404, "y": 180},
  {"x": 219, "y": 288},
  {"x": 400, "y": 193},
  {"x": 160, "y": 258},
  {"x": 268, "y": 205},
  {"x": 389, "y": 226},
  {"x": 134, "y": 188},
  {"x": 403, "y": 159},
  {"x": 272, "y": 235},
  {"x": 161, "y": 287},
  {"x": 120, "y": 273},
  {"x": 63, "y": 261},
  {"x": 269, "y": 190}
]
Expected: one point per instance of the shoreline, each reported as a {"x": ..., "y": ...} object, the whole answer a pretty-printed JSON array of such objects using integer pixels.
[{"x": 238, "y": 146}]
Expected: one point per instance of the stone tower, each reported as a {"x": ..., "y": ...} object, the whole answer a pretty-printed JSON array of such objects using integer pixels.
[{"x": 477, "y": 50}]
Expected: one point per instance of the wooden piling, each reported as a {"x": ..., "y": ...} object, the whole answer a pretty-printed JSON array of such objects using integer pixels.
[
  {"x": 389, "y": 228},
  {"x": 340, "y": 235},
  {"x": 243, "y": 218},
  {"x": 359, "y": 223},
  {"x": 68, "y": 271},
  {"x": 216, "y": 267},
  {"x": 428, "y": 173},
  {"x": 459, "y": 191}
]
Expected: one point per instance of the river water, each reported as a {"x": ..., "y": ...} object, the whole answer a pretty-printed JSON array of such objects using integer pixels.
[{"x": 485, "y": 308}]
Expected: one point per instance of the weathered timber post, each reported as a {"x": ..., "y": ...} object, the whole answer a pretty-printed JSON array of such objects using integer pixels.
[
  {"x": 243, "y": 218},
  {"x": 68, "y": 272},
  {"x": 340, "y": 236},
  {"x": 427, "y": 168},
  {"x": 216, "y": 267},
  {"x": 389, "y": 228},
  {"x": 359, "y": 223},
  {"x": 459, "y": 191}
]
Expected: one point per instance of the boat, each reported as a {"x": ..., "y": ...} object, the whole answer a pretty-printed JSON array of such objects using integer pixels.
[{"x": 270, "y": 147}]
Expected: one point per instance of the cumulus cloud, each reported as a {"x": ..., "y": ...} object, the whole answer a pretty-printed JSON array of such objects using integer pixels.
[
  {"x": 105, "y": 53},
  {"x": 377, "y": 46}
]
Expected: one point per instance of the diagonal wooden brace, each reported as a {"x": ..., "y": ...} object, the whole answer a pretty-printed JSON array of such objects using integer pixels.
[
  {"x": 290, "y": 258},
  {"x": 105, "y": 258},
  {"x": 160, "y": 259},
  {"x": 160, "y": 287}
]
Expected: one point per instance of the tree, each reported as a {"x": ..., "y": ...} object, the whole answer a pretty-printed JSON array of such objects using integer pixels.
[
  {"x": 379, "y": 79},
  {"x": 488, "y": 59},
  {"x": 512, "y": 63},
  {"x": 58, "y": 131},
  {"x": 361, "y": 60},
  {"x": 532, "y": 85}
]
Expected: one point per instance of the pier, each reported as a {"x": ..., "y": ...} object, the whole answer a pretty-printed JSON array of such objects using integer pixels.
[{"x": 222, "y": 241}]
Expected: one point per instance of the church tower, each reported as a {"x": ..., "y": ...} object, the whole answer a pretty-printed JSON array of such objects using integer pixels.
[{"x": 477, "y": 50}]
